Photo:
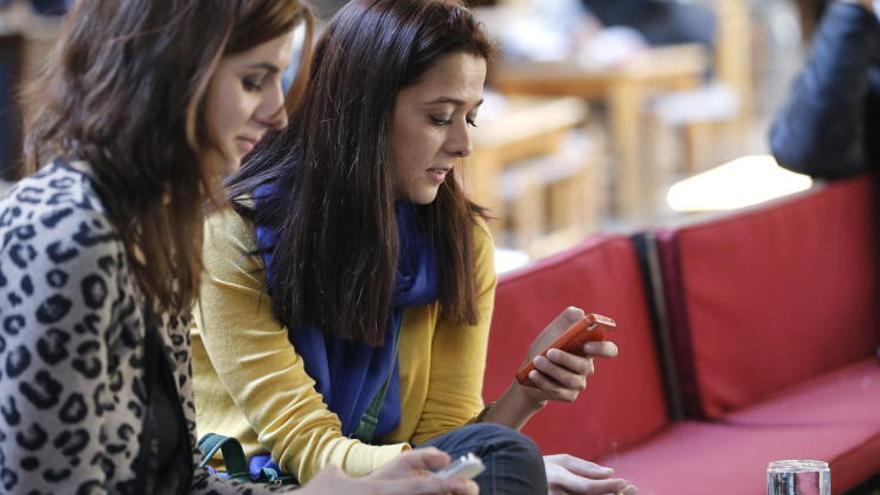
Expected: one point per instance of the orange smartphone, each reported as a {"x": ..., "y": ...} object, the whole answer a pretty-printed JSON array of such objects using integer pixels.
[{"x": 590, "y": 328}]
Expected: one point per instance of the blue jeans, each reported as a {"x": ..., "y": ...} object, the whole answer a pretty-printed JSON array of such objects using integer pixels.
[{"x": 514, "y": 464}]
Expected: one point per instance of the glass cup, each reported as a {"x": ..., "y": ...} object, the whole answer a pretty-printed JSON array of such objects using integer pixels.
[{"x": 798, "y": 478}]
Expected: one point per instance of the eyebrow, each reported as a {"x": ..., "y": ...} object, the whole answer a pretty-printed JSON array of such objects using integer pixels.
[
  {"x": 265, "y": 65},
  {"x": 454, "y": 101}
]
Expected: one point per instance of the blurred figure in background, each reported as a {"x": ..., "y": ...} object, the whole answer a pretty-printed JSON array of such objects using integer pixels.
[
  {"x": 661, "y": 22},
  {"x": 11, "y": 48},
  {"x": 830, "y": 125},
  {"x": 42, "y": 7},
  {"x": 17, "y": 18}
]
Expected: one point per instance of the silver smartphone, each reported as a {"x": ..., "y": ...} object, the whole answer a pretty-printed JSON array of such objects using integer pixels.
[{"x": 465, "y": 467}]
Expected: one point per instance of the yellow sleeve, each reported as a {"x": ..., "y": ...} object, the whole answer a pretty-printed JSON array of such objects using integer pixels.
[
  {"x": 458, "y": 356},
  {"x": 249, "y": 349}
]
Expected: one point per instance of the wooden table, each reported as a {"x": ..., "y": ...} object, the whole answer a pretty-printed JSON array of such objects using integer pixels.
[
  {"x": 527, "y": 127},
  {"x": 623, "y": 88}
]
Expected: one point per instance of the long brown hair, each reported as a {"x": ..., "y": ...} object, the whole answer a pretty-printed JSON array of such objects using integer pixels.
[
  {"x": 124, "y": 90},
  {"x": 333, "y": 203}
]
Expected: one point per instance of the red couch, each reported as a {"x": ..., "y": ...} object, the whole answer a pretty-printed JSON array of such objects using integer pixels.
[
  {"x": 770, "y": 318},
  {"x": 775, "y": 322}
]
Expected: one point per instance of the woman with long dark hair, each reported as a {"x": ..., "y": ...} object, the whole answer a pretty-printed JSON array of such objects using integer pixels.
[
  {"x": 142, "y": 107},
  {"x": 346, "y": 314}
]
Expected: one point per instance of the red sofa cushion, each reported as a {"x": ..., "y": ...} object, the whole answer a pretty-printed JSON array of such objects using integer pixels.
[
  {"x": 850, "y": 395},
  {"x": 699, "y": 458},
  {"x": 761, "y": 300},
  {"x": 624, "y": 400}
]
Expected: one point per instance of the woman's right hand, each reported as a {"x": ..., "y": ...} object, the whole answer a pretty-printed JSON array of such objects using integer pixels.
[
  {"x": 409, "y": 473},
  {"x": 562, "y": 375}
]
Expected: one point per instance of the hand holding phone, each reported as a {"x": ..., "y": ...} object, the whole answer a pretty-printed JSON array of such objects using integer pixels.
[
  {"x": 465, "y": 467},
  {"x": 591, "y": 328}
]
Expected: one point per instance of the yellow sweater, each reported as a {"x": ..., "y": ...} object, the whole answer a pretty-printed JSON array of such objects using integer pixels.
[{"x": 251, "y": 384}]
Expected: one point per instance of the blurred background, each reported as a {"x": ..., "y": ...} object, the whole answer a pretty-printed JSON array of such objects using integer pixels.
[{"x": 600, "y": 115}]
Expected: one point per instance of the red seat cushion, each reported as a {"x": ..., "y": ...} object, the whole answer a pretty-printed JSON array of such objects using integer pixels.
[
  {"x": 850, "y": 395},
  {"x": 624, "y": 400},
  {"x": 761, "y": 300},
  {"x": 694, "y": 458}
]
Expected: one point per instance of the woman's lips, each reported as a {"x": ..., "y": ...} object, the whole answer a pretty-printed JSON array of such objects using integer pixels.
[
  {"x": 246, "y": 144},
  {"x": 437, "y": 175}
]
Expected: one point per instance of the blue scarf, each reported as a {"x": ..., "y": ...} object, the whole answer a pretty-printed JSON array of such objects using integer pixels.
[{"x": 349, "y": 374}]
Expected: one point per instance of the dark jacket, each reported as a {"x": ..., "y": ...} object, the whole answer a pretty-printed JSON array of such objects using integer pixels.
[{"x": 830, "y": 125}]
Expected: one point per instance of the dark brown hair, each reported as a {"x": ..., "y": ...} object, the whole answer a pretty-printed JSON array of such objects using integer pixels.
[
  {"x": 124, "y": 90},
  {"x": 332, "y": 206}
]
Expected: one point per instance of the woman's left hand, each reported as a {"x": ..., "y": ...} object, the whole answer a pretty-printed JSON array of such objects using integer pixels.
[
  {"x": 411, "y": 473},
  {"x": 562, "y": 375},
  {"x": 568, "y": 474}
]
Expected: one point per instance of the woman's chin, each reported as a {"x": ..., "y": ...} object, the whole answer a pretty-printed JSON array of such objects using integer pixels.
[{"x": 424, "y": 196}]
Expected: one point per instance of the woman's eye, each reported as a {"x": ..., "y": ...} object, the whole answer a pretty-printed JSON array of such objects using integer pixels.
[
  {"x": 441, "y": 121},
  {"x": 472, "y": 121},
  {"x": 252, "y": 84}
]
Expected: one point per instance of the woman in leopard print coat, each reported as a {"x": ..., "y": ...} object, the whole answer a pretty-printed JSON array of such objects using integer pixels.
[{"x": 142, "y": 106}]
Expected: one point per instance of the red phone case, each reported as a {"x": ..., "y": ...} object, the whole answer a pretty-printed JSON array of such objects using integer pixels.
[{"x": 591, "y": 328}]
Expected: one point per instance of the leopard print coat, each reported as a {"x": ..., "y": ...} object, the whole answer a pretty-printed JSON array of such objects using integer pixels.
[{"x": 72, "y": 391}]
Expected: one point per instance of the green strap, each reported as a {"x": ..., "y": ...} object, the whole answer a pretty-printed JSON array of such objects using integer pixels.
[
  {"x": 233, "y": 455},
  {"x": 370, "y": 420},
  {"x": 367, "y": 427}
]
